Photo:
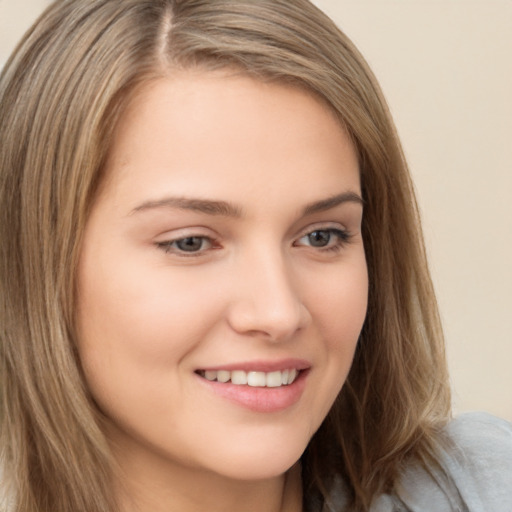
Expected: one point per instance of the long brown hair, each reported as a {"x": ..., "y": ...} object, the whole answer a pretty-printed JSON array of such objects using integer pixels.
[{"x": 60, "y": 96}]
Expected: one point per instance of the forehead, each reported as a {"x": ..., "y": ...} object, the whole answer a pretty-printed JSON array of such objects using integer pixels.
[{"x": 207, "y": 129}]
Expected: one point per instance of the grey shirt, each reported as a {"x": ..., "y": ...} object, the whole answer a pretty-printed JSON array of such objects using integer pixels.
[{"x": 479, "y": 469}]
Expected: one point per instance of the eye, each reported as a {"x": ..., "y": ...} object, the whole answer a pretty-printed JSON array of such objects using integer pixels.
[
  {"x": 326, "y": 239},
  {"x": 189, "y": 245}
]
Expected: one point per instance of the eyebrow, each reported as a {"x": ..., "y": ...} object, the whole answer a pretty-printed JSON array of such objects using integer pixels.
[
  {"x": 331, "y": 202},
  {"x": 206, "y": 206},
  {"x": 223, "y": 208}
]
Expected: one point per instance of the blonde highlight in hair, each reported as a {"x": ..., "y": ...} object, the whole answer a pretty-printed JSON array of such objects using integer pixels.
[{"x": 60, "y": 97}]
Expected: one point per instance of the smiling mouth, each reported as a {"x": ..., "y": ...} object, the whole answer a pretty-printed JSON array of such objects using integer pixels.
[{"x": 273, "y": 379}]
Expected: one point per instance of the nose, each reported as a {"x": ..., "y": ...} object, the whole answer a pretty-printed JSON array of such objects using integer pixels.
[{"x": 267, "y": 301}]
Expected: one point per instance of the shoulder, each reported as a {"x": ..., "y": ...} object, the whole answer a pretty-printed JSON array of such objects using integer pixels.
[
  {"x": 474, "y": 473},
  {"x": 476, "y": 431},
  {"x": 481, "y": 460},
  {"x": 476, "y": 469},
  {"x": 480, "y": 446}
]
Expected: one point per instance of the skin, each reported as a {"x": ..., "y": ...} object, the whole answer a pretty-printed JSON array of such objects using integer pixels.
[{"x": 256, "y": 287}]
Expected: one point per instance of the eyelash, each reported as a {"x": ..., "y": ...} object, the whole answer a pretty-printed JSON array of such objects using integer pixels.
[
  {"x": 342, "y": 237},
  {"x": 170, "y": 246}
]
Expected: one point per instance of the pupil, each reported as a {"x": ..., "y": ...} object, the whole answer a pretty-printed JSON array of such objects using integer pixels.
[
  {"x": 319, "y": 238},
  {"x": 190, "y": 244}
]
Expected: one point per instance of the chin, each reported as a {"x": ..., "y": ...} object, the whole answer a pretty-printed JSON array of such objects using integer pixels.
[
  {"x": 258, "y": 460},
  {"x": 259, "y": 470}
]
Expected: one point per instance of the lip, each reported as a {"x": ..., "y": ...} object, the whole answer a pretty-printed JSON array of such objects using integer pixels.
[
  {"x": 260, "y": 399},
  {"x": 262, "y": 366}
]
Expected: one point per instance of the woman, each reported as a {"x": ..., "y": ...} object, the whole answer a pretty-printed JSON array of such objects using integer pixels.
[{"x": 197, "y": 313}]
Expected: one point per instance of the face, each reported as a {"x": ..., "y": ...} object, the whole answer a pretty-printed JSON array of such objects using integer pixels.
[{"x": 222, "y": 279}]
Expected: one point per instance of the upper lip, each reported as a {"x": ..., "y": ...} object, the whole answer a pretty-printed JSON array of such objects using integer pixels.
[{"x": 262, "y": 365}]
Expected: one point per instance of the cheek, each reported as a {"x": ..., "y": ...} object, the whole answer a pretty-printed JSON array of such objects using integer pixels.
[
  {"x": 136, "y": 332},
  {"x": 338, "y": 307},
  {"x": 142, "y": 310},
  {"x": 340, "y": 304},
  {"x": 343, "y": 316},
  {"x": 135, "y": 324}
]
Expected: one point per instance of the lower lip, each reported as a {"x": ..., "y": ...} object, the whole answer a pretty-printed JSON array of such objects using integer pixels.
[{"x": 260, "y": 399}]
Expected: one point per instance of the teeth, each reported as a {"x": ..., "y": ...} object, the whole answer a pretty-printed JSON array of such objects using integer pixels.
[
  {"x": 292, "y": 375},
  {"x": 255, "y": 379},
  {"x": 274, "y": 380},
  {"x": 210, "y": 375},
  {"x": 239, "y": 377},
  {"x": 223, "y": 376}
]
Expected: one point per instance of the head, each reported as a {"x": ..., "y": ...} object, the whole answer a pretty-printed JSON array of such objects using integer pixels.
[{"x": 61, "y": 96}]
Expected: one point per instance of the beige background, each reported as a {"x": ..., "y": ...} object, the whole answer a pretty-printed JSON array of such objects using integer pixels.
[{"x": 446, "y": 69}]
